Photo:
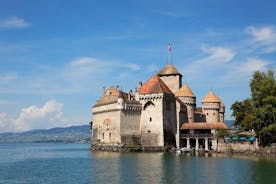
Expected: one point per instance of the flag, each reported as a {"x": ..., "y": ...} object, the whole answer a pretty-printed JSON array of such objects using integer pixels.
[{"x": 169, "y": 47}]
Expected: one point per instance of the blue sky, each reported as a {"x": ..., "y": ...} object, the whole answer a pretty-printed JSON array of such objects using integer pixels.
[{"x": 56, "y": 56}]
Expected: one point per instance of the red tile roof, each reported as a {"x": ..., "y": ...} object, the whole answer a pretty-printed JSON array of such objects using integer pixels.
[
  {"x": 195, "y": 126},
  {"x": 154, "y": 85}
]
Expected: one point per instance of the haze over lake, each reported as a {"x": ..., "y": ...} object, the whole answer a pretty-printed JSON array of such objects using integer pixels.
[{"x": 74, "y": 163}]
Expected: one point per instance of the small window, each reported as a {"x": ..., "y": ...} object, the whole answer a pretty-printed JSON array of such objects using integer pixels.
[
  {"x": 150, "y": 119},
  {"x": 207, "y": 114},
  {"x": 110, "y": 136},
  {"x": 213, "y": 113},
  {"x": 103, "y": 135},
  {"x": 148, "y": 131}
]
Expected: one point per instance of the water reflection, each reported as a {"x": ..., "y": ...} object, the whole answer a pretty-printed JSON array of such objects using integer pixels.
[{"x": 183, "y": 168}]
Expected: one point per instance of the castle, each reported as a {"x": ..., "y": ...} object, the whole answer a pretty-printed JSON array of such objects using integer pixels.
[{"x": 161, "y": 112}]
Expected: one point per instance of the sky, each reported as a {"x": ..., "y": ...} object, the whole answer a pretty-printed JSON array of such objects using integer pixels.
[{"x": 56, "y": 56}]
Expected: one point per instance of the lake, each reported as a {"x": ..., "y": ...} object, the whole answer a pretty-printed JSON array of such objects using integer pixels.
[{"x": 74, "y": 163}]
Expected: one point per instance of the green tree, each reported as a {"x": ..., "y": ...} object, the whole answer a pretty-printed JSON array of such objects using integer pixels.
[
  {"x": 259, "y": 112},
  {"x": 263, "y": 93},
  {"x": 242, "y": 113},
  {"x": 268, "y": 134}
]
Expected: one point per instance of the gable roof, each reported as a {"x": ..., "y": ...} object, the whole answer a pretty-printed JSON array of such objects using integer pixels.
[
  {"x": 185, "y": 91},
  {"x": 112, "y": 95},
  {"x": 154, "y": 85},
  {"x": 169, "y": 69},
  {"x": 211, "y": 97}
]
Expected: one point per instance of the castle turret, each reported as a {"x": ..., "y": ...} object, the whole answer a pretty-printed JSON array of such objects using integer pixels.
[
  {"x": 171, "y": 77},
  {"x": 186, "y": 95},
  {"x": 221, "y": 112},
  {"x": 211, "y": 107},
  {"x": 120, "y": 100}
]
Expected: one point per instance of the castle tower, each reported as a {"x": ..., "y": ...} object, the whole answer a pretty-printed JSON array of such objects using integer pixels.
[
  {"x": 221, "y": 112},
  {"x": 171, "y": 77},
  {"x": 211, "y": 107},
  {"x": 158, "y": 117},
  {"x": 186, "y": 95}
]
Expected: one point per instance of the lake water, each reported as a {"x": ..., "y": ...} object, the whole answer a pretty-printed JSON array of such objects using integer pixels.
[{"x": 74, "y": 163}]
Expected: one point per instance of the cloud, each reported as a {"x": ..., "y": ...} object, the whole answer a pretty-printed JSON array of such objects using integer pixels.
[
  {"x": 132, "y": 66},
  {"x": 217, "y": 54},
  {"x": 263, "y": 37},
  {"x": 214, "y": 59},
  {"x": 7, "y": 78},
  {"x": 88, "y": 70},
  {"x": 71, "y": 77},
  {"x": 47, "y": 116},
  {"x": 175, "y": 14},
  {"x": 13, "y": 22},
  {"x": 252, "y": 65},
  {"x": 262, "y": 34}
]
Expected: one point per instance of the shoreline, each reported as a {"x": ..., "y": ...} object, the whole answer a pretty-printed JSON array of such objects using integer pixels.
[{"x": 261, "y": 152}]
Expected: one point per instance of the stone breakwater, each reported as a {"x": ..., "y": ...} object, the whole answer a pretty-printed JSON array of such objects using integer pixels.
[
  {"x": 128, "y": 148},
  {"x": 223, "y": 147},
  {"x": 246, "y": 148}
]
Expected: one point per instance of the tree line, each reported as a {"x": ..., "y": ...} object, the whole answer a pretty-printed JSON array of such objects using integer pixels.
[{"x": 258, "y": 112}]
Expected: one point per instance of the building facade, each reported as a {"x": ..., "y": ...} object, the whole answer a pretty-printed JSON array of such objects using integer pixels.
[{"x": 162, "y": 112}]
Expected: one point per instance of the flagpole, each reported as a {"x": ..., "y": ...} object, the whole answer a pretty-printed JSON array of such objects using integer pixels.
[{"x": 170, "y": 53}]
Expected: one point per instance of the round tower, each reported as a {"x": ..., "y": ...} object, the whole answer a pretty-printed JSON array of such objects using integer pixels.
[
  {"x": 211, "y": 107},
  {"x": 171, "y": 77},
  {"x": 221, "y": 112},
  {"x": 186, "y": 95}
]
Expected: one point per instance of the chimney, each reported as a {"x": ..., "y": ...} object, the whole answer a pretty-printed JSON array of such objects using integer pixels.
[
  {"x": 104, "y": 89},
  {"x": 140, "y": 84},
  {"x": 130, "y": 95}
]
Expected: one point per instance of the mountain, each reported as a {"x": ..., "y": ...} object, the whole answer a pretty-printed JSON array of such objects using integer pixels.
[
  {"x": 67, "y": 134},
  {"x": 229, "y": 123}
]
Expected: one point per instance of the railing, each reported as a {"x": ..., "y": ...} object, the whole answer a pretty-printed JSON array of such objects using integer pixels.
[{"x": 197, "y": 135}]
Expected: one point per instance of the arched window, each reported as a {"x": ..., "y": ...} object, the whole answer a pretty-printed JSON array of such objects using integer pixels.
[{"x": 149, "y": 103}]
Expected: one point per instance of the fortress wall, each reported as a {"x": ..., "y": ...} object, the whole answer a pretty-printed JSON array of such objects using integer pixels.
[
  {"x": 107, "y": 125},
  {"x": 130, "y": 127}
]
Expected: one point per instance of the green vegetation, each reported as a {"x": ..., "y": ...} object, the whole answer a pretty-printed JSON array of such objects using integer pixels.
[
  {"x": 259, "y": 111},
  {"x": 222, "y": 133}
]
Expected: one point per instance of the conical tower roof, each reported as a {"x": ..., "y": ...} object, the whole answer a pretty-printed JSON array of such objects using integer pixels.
[
  {"x": 154, "y": 85},
  {"x": 169, "y": 69},
  {"x": 211, "y": 97},
  {"x": 185, "y": 91}
]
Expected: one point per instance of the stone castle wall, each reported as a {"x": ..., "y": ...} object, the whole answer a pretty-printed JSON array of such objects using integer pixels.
[
  {"x": 211, "y": 110},
  {"x": 106, "y": 124},
  {"x": 172, "y": 81},
  {"x": 152, "y": 120}
]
